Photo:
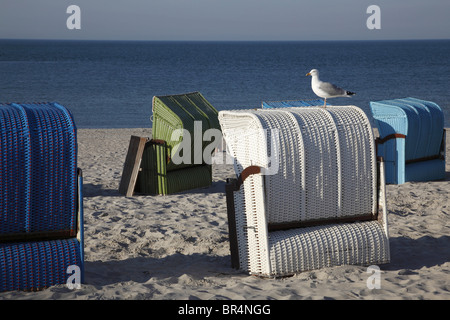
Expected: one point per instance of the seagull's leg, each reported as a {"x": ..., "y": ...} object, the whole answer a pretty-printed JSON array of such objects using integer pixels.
[{"x": 325, "y": 103}]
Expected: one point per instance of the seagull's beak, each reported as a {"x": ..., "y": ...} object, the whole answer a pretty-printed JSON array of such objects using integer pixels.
[{"x": 308, "y": 74}]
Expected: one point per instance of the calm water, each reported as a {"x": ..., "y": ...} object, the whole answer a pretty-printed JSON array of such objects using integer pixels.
[{"x": 111, "y": 84}]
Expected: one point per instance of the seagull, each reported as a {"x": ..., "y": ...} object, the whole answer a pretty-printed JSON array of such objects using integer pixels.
[{"x": 325, "y": 89}]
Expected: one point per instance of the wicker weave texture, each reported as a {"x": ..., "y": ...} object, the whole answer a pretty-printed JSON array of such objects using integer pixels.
[
  {"x": 421, "y": 121},
  {"x": 325, "y": 157},
  {"x": 35, "y": 265},
  {"x": 190, "y": 112},
  {"x": 422, "y": 124},
  {"x": 15, "y": 169},
  {"x": 361, "y": 243},
  {"x": 319, "y": 164},
  {"x": 39, "y": 168},
  {"x": 54, "y": 167},
  {"x": 292, "y": 103},
  {"x": 40, "y": 196}
]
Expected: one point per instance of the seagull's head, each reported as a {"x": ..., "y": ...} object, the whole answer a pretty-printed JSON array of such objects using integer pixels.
[{"x": 313, "y": 72}]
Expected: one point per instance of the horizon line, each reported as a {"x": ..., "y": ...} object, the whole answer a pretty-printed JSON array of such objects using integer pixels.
[{"x": 180, "y": 40}]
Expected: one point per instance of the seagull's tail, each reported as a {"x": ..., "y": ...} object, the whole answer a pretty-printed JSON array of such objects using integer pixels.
[{"x": 349, "y": 93}]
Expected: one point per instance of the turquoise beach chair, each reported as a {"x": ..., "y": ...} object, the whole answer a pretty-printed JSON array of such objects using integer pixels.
[
  {"x": 292, "y": 103},
  {"x": 412, "y": 139}
]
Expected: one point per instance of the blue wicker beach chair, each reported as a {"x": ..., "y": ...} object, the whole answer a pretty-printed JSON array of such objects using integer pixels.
[
  {"x": 292, "y": 103},
  {"x": 411, "y": 139},
  {"x": 41, "y": 227}
]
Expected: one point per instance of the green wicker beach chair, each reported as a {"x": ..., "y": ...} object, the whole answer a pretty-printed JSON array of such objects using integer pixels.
[{"x": 166, "y": 165}]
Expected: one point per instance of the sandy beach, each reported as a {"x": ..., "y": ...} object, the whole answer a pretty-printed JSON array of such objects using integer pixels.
[{"x": 176, "y": 246}]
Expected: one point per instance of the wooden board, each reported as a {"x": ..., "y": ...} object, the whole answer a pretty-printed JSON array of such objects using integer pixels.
[{"x": 132, "y": 165}]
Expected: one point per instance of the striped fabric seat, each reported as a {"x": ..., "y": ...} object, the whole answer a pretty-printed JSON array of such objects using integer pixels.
[
  {"x": 40, "y": 194},
  {"x": 311, "y": 199}
]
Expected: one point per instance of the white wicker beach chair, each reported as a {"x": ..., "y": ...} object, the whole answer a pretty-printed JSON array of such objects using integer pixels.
[{"x": 308, "y": 194}]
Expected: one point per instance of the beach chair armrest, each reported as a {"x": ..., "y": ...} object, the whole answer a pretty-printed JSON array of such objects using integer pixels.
[
  {"x": 232, "y": 186},
  {"x": 237, "y": 183}
]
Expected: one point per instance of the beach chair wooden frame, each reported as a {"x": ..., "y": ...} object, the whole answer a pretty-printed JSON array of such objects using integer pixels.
[
  {"x": 270, "y": 235},
  {"x": 145, "y": 170},
  {"x": 155, "y": 178}
]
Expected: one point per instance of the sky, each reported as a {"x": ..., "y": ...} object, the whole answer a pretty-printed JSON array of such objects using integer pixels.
[{"x": 225, "y": 20}]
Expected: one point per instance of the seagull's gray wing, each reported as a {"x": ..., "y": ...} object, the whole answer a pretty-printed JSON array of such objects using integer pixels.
[{"x": 331, "y": 89}]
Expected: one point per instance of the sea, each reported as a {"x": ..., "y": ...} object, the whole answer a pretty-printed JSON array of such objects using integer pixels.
[{"x": 110, "y": 84}]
